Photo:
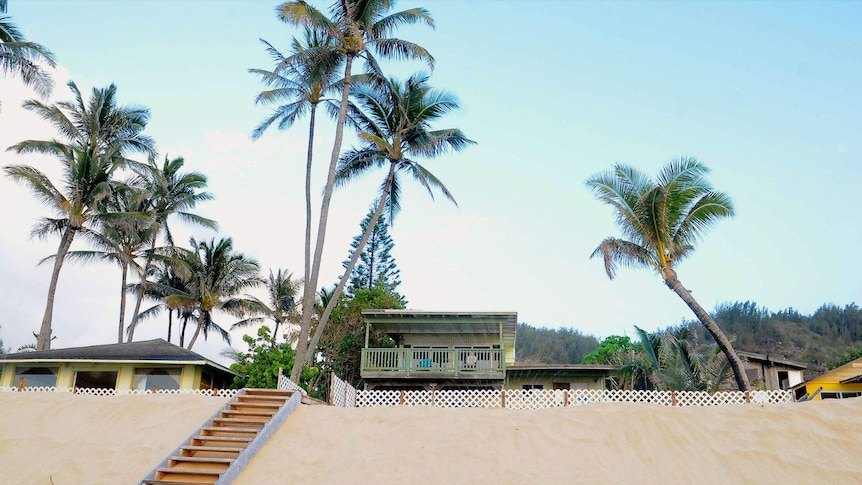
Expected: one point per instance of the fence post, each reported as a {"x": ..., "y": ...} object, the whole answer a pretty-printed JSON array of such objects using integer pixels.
[
  {"x": 673, "y": 400},
  {"x": 433, "y": 396},
  {"x": 503, "y": 398},
  {"x": 401, "y": 397},
  {"x": 345, "y": 392},
  {"x": 215, "y": 392},
  {"x": 278, "y": 379},
  {"x": 153, "y": 389},
  {"x": 747, "y": 398},
  {"x": 332, "y": 388},
  {"x": 565, "y": 397},
  {"x": 355, "y": 397},
  {"x": 20, "y": 384}
]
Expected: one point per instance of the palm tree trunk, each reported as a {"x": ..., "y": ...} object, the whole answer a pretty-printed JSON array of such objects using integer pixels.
[
  {"x": 141, "y": 289},
  {"x": 324, "y": 319},
  {"x": 735, "y": 362},
  {"x": 183, "y": 331},
  {"x": 195, "y": 336},
  {"x": 170, "y": 322},
  {"x": 44, "y": 340},
  {"x": 311, "y": 283},
  {"x": 275, "y": 331},
  {"x": 122, "y": 326},
  {"x": 308, "y": 194}
]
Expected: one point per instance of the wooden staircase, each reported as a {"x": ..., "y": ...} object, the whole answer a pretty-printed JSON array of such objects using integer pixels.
[{"x": 219, "y": 449}]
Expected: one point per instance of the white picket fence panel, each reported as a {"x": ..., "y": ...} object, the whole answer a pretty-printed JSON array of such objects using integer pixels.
[
  {"x": 84, "y": 391},
  {"x": 285, "y": 384},
  {"x": 550, "y": 398},
  {"x": 341, "y": 393}
]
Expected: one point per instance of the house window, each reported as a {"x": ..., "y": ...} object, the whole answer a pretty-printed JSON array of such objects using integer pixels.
[
  {"x": 37, "y": 376},
  {"x": 840, "y": 395},
  {"x": 783, "y": 379},
  {"x": 96, "y": 379},
  {"x": 530, "y": 387},
  {"x": 161, "y": 379},
  {"x": 562, "y": 386}
]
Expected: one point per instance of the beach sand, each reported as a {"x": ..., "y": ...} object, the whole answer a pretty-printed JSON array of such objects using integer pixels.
[
  {"x": 84, "y": 440},
  {"x": 117, "y": 440}
]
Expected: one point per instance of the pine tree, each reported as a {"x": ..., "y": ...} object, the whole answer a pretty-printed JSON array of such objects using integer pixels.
[{"x": 376, "y": 266}]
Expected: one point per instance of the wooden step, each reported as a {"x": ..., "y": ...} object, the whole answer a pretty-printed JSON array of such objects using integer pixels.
[
  {"x": 251, "y": 412},
  {"x": 197, "y": 450},
  {"x": 261, "y": 398},
  {"x": 265, "y": 405},
  {"x": 228, "y": 431},
  {"x": 268, "y": 392},
  {"x": 188, "y": 475},
  {"x": 236, "y": 422},
  {"x": 199, "y": 440},
  {"x": 200, "y": 459}
]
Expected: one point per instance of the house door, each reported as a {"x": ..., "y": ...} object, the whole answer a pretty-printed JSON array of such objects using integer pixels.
[{"x": 565, "y": 386}]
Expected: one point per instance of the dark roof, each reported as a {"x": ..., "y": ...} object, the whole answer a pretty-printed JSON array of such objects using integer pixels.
[
  {"x": 157, "y": 349},
  {"x": 751, "y": 356},
  {"x": 560, "y": 369}
]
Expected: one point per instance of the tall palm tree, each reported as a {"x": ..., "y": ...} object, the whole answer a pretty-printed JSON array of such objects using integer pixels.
[
  {"x": 394, "y": 122},
  {"x": 283, "y": 306},
  {"x": 661, "y": 220},
  {"x": 170, "y": 192},
  {"x": 120, "y": 241},
  {"x": 359, "y": 29},
  {"x": 98, "y": 135},
  {"x": 215, "y": 278},
  {"x": 303, "y": 85},
  {"x": 22, "y": 58}
]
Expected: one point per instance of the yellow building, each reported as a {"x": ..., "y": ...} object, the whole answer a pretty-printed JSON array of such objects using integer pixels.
[
  {"x": 839, "y": 383},
  {"x": 123, "y": 367}
]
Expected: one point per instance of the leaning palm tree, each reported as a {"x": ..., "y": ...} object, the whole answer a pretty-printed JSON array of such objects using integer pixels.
[
  {"x": 216, "y": 276},
  {"x": 170, "y": 193},
  {"x": 283, "y": 307},
  {"x": 661, "y": 220},
  {"x": 394, "y": 122},
  {"x": 22, "y": 58},
  {"x": 358, "y": 29},
  {"x": 302, "y": 85},
  {"x": 98, "y": 135}
]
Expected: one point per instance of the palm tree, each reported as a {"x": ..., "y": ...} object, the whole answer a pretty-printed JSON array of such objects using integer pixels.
[
  {"x": 97, "y": 137},
  {"x": 660, "y": 221},
  {"x": 283, "y": 307},
  {"x": 393, "y": 121},
  {"x": 215, "y": 277},
  {"x": 22, "y": 58},
  {"x": 358, "y": 28},
  {"x": 302, "y": 85},
  {"x": 170, "y": 192},
  {"x": 119, "y": 241}
]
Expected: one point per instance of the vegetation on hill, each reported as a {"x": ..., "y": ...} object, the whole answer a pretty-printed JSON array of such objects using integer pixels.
[
  {"x": 552, "y": 345},
  {"x": 830, "y": 335}
]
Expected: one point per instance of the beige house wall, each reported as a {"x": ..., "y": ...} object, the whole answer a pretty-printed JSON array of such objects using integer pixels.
[{"x": 581, "y": 382}]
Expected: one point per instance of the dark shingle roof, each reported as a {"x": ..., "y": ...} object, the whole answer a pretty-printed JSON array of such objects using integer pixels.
[{"x": 157, "y": 349}]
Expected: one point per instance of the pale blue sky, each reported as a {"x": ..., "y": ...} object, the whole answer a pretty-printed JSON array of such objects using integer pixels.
[{"x": 766, "y": 94}]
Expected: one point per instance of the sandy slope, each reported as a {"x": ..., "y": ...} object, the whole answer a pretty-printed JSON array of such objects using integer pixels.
[
  {"x": 89, "y": 440},
  {"x": 603, "y": 443},
  {"x": 84, "y": 440}
]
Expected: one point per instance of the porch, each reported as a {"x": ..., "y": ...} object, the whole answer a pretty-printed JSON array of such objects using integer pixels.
[{"x": 432, "y": 363}]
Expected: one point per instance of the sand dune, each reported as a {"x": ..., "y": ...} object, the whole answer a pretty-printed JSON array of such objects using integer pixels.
[
  {"x": 90, "y": 440},
  {"x": 97, "y": 440}
]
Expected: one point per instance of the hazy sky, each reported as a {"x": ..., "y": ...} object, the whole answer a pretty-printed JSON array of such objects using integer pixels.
[{"x": 766, "y": 94}]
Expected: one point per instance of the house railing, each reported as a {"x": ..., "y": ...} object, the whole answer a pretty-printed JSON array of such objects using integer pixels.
[{"x": 416, "y": 362}]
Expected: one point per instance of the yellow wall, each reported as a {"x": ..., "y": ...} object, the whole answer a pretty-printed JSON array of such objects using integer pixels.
[
  {"x": 585, "y": 382},
  {"x": 189, "y": 379},
  {"x": 829, "y": 386}
]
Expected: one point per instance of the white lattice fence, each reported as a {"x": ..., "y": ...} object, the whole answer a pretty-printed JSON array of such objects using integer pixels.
[
  {"x": 341, "y": 393},
  {"x": 84, "y": 391},
  {"x": 549, "y": 398},
  {"x": 285, "y": 384}
]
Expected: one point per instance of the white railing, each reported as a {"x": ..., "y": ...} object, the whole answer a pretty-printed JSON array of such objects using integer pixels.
[
  {"x": 84, "y": 391},
  {"x": 549, "y": 398}
]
